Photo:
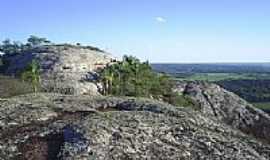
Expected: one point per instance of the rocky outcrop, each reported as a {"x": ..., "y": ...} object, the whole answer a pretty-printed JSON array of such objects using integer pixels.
[
  {"x": 53, "y": 126},
  {"x": 227, "y": 107},
  {"x": 66, "y": 69}
]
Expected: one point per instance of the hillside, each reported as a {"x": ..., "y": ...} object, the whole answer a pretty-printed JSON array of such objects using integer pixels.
[{"x": 70, "y": 119}]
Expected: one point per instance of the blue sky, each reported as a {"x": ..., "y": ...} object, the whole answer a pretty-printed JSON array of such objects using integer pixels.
[{"x": 157, "y": 30}]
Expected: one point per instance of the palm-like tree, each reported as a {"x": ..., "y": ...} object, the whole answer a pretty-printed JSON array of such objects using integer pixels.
[
  {"x": 32, "y": 75},
  {"x": 108, "y": 77}
]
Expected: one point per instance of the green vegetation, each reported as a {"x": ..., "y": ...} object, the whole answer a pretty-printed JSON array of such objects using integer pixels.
[
  {"x": 130, "y": 77},
  {"x": 253, "y": 87},
  {"x": 34, "y": 44},
  {"x": 1, "y": 61},
  {"x": 8, "y": 47},
  {"x": 37, "y": 41},
  {"x": 14, "y": 47},
  {"x": 32, "y": 75},
  {"x": 215, "y": 77},
  {"x": 250, "y": 90},
  {"x": 262, "y": 105}
]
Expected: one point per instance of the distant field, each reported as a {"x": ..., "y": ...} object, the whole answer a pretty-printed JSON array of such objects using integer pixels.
[
  {"x": 262, "y": 105},
  {"x": 213, "y": 68},
  {"x": 251, "y": 81},
  {"x": 215, "y": 77},
  {"x": 214, "y": 72}
]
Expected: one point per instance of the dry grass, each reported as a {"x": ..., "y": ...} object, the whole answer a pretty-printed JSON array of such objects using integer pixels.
[{"x": 12, "y": 87}]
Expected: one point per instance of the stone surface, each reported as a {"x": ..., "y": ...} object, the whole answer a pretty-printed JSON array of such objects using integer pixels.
[
  {"x": 54, "y": 126},
  {"x": 227, "y": 107},
  {"x": 66, "y": 69}
]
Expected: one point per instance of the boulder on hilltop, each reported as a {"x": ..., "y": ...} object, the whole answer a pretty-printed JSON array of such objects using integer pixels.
[{"x": 66, "y": 69}]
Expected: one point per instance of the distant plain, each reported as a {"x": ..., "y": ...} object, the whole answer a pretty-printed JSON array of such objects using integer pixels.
[{"x": 251, "y": 81}]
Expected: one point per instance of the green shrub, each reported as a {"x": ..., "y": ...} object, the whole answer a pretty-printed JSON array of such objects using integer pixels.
[
  {"x": 31, "y": 74},
  {"x": 130, "y": 77},
  {"x": 183, "y": 101}
]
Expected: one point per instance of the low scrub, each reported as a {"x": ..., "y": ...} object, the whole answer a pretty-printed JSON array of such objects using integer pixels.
[{"x": 130, "y": 77}]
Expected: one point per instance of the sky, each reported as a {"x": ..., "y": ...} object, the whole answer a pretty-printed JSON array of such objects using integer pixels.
[{"x": 167, "y": 31}]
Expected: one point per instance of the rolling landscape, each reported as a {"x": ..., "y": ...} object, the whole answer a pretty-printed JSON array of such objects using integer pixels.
[
  {"x": 135, "y": 80},
  {"x": 63, "y": 101},
  {"x": 250, "y": 81}
]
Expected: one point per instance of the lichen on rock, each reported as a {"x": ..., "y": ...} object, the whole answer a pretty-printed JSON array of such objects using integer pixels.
[{"x": 104, "y": 128}]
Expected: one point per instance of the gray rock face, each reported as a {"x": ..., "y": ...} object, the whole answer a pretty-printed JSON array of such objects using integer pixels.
[
  {"x": 65, "y": 68},
  {"x": 53, "y": 126},
  {"x": 227, "y": 107}
]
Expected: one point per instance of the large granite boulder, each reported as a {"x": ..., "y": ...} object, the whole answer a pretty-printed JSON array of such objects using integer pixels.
[
  {"x": 214, "y": 101},
  {"x": 66, "y": 69},
  {"x": 52, "y": 126}
]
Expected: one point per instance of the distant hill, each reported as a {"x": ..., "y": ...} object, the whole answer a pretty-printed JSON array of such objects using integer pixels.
[{"x": 212, "y": 68}]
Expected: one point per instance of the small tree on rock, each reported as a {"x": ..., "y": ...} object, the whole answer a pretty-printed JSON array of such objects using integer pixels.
[
  {"x": 37, "y": 41},
  {"x": 32, "y": 74}
]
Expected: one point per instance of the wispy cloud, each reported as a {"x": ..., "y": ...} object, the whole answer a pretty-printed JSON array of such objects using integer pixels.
[{"x": 161, "y": 19}]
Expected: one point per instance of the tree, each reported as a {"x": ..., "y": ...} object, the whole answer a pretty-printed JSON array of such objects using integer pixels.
[
  {"x": 32, "y": 74},
  {"x": 37, "y": 41},
  {"x": 107, "y": 81},
  {"x": 130, "y": 77},
  {"x": 9, "y": 47}
]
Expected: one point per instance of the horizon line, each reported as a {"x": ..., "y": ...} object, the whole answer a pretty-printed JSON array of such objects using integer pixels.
[{"x": 211, "y": 62}]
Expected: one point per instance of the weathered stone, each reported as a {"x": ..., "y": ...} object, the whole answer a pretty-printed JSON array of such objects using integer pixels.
[
  {"x": 227, "y": 107},
  {"x": 65, "y": 68},
  {"x": 104, "y": 128}
]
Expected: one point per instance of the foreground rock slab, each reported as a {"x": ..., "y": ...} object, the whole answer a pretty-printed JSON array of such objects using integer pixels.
[{"x": 52, "y": 126}]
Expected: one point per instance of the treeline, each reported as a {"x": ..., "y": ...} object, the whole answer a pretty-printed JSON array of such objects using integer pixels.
[
  {"x": 13, "y": 47},
  {"x": 9, "y": 47},
  {"x": 175, "y": 69},
  {"x": 250, "y": 90},
  {"x": 130, "y": 77}
]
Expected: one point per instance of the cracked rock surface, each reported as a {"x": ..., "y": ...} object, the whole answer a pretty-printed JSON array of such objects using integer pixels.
[
  {"x": 225, "y": 106},
  {"x": 54, "y": 126}
]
